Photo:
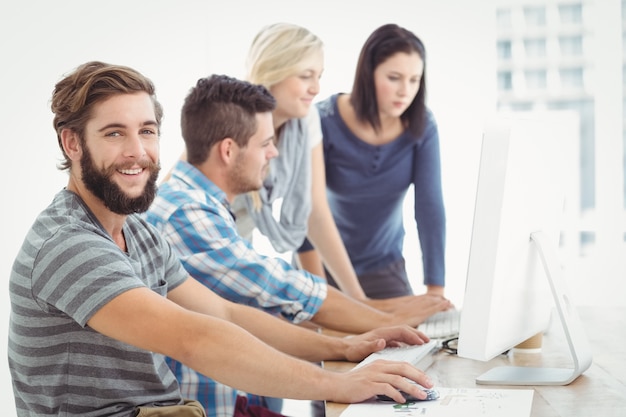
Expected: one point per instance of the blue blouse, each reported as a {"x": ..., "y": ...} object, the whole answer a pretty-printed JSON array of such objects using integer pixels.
[{"x": 366, "y": 186}]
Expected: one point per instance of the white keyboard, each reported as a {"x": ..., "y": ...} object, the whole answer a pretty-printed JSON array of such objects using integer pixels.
[
  {"x": 442, "y": 325},
  {"x": 420, "y": 356}
]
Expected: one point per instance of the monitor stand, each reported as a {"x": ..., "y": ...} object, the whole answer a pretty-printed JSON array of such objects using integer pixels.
[{"x": 576, "y": 338}]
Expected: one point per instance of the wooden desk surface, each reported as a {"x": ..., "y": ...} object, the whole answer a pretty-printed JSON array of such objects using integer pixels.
[{"x": 599, "y": 392}]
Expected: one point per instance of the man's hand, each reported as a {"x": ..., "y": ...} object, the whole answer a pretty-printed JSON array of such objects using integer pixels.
[
  {"x": 380, "y": 377},
  {"x": 360, "y": 346}
]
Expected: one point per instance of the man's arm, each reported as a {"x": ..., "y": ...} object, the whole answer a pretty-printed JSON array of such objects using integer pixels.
[
  {"x": 286, "y": 337},
  {"x": 340, "y": 312},
  {"x": 209, "y": 246},
  {"x": 207, "y": 341}
]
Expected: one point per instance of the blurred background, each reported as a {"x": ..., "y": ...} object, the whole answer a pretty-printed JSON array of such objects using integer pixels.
[{"x": 482, "y": 57}]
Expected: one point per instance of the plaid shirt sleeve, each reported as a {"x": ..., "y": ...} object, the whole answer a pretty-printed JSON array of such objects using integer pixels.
[{"x": 203, "y": 233}]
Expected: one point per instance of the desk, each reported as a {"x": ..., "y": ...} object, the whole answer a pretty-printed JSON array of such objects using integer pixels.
[{"x": 599, "y": 392}]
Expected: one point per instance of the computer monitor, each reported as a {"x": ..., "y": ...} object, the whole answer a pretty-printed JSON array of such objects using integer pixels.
[{"x": 514, "y": 277}]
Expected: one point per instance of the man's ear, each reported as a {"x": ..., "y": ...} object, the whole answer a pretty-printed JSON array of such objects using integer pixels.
[
  {"x": 227, "y": 149},
  {"x": 71, "y": 144}
]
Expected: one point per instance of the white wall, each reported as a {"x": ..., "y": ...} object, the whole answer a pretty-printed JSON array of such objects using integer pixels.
[{"x": 175, "y": 43}]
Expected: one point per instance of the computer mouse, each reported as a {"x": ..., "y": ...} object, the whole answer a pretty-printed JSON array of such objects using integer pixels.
[{"x": 431, "y": 395}]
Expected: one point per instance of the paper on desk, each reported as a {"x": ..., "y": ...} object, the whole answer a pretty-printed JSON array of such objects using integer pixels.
[{"x": 453, "y": 402}]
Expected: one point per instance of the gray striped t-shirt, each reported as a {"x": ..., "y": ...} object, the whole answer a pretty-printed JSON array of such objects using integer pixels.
[{"x": 67, "y": 269}]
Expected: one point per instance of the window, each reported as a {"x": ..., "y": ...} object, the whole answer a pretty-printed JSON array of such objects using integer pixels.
[
  {"x": 587, "y": 240},
  {"x": 505, "y": 81},
  {"x": 536, "y": 79},
  {"x": 522, "y": 106},
  {"x": 535, "y": 48},
  {"x": 571, "y": 13},
  {"x": 624, "y": 147},
  {"x": 624, "y": 157},
  {"x": 571, "y": 77},
  {"x": 503, "y": 18},
  {"x": 571, "y": 45},
  {"x": 586, "y": 111},
  {"x": 504, "y": 50},
  {"x": 535, "y": 16}
]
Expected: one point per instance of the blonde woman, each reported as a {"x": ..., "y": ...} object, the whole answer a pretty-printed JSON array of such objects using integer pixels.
[{"x": 288, "y": 60}]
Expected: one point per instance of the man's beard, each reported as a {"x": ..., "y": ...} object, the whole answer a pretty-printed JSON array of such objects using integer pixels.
[
  {"x": 100, "y": 184},
  {"x": 239, "y": 181}
]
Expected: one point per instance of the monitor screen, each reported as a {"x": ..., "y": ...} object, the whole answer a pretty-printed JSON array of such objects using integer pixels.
[{"x": 513, "y": 277}]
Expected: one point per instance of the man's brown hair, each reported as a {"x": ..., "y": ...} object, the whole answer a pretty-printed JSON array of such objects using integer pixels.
[{"x": 75, "y": 95}]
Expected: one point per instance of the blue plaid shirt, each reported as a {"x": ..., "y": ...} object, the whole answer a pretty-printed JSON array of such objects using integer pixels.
[{"x": 193, "y": 214}]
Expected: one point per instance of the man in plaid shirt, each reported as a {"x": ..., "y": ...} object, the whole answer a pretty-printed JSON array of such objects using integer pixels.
[{"x": 227, "y": 157}]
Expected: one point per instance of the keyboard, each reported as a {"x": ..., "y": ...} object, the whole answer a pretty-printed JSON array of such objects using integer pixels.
[
  {"x": 420, "y": 356},
  {"x": 442, "y": 325}
]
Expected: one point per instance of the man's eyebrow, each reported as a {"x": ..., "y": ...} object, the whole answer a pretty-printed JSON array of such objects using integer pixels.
[
  {"x": 150, "y": 123},
  {"x": 123, "y": 126}
]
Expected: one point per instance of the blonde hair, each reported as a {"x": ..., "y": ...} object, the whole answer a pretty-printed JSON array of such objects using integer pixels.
[{"x": 278, "y": 52}]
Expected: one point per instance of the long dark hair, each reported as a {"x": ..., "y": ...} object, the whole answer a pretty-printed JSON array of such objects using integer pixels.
[{"x": 381, "y": 44}]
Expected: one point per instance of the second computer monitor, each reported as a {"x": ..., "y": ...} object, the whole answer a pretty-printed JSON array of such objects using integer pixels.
[{"x": 514, "y": 274}]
